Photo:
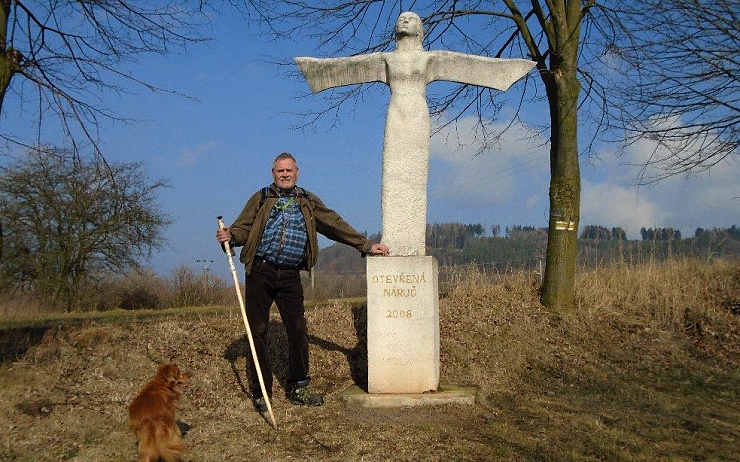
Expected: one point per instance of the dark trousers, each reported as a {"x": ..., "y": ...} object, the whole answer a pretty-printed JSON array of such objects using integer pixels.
[{"x": 266, "y": 284}]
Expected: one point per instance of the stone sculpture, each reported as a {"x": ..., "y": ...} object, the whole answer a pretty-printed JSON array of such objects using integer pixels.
[{"x": 407, "y": 71}]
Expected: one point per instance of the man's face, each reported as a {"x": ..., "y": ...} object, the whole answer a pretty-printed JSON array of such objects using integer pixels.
[
  {"x": 285, "y": 173},
  {"x": 408, "y": 24}
]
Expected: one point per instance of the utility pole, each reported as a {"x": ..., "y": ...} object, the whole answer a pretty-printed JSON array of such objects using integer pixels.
[
  {"x": 205, "y": 269},
  {"x": 539, "y": 264}
]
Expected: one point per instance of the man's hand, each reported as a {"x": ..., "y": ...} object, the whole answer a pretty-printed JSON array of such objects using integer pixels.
[
  {"x": 380, "y": 249},
  {"x": 223, "y": 235}
]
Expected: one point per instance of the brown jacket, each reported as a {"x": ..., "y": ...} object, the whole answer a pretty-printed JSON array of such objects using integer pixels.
[{"x": 247, "y": 229}]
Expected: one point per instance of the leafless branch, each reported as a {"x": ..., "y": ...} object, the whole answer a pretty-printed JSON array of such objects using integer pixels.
[{"x": 69, "y": 52}]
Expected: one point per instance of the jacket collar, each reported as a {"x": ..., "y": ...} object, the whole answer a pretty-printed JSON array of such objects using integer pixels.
[{"x": 281, "y": 193}]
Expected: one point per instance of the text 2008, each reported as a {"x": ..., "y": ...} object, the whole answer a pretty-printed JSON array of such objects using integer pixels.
[{"x": 397, "y": 314}]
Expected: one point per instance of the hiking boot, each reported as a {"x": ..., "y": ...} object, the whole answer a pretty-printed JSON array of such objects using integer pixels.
[
  {"x": 303, "y": 396},
  {"x": 260, "y": 405}
]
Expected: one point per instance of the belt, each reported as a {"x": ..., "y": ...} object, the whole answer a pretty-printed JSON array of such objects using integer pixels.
[{"x": 260, "y": 261}]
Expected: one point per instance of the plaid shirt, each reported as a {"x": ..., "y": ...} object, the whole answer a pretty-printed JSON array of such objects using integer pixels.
[{"x": 285, "y": 237}]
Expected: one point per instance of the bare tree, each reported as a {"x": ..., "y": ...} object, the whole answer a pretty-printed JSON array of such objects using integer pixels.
[
  {"x": 57, "y": 56},
  {"x": 674, "y": 68},
  {"x": 67, "y": 219}
]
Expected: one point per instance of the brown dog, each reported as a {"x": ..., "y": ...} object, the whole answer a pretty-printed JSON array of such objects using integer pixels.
[{"x": 152, "y": 415}]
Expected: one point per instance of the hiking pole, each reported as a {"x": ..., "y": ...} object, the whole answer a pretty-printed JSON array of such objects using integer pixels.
[{"x": 227, "y": 247}]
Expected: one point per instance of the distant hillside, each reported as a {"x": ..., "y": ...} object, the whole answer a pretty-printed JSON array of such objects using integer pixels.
[{"x": 525, "y": 247}]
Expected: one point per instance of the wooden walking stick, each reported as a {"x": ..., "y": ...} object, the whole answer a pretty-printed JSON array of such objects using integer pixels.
[{"x": 227, "y": 247}]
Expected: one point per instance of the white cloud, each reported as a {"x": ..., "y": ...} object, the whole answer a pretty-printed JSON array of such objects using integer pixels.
[
  {"x": 514, "y": 171},
  {"x": 610, "y": 205},
  {"x": 509, "y": 185},
  {"x": 191, "y": 156},
  {"x": 705, "y": 199}
]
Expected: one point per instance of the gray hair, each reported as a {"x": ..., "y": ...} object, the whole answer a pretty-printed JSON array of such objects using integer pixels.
[{"x": 285, "y": 155}]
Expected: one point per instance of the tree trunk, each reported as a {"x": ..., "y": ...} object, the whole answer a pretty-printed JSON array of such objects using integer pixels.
[
  {"x": 565, "y": 194},
  {"x": 563, "y": 89},
  {"x": 8, "y": 57}
]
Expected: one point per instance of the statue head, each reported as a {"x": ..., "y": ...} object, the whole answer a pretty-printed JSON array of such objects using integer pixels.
[{"x": 409, "y": 26}]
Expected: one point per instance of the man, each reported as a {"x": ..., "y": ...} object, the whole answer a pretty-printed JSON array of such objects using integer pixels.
[{"x": 277, "y": 230}]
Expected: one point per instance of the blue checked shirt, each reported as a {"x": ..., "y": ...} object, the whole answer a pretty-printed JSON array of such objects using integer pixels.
[{"x": 284, "y": 240}]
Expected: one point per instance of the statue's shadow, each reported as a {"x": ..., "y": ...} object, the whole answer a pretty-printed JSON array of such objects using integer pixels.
[{"x": 278, "y": 341}]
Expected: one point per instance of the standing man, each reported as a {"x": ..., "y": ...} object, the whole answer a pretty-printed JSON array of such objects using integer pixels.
[{"x": 277, "y": 230}]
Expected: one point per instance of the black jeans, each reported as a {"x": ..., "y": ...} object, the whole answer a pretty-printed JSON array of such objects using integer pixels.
[{"x": 265, "y": 284}]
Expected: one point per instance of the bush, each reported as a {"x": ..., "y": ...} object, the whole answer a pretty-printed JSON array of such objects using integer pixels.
[
  {"x": 190, "y": 289},
  {"x": 138, "y": 290}
]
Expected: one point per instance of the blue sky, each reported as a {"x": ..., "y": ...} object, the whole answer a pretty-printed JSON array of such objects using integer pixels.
[{"x": 218, "y": 150}]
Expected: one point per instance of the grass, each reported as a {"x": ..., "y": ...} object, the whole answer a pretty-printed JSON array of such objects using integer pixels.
[{"x": 646, "y": 369}]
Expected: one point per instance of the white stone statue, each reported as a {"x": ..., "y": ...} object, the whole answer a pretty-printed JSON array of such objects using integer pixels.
[{"x": 407, "y": 71}]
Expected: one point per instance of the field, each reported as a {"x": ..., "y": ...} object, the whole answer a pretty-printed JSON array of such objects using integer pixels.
[{"x": 646, "y": 369}]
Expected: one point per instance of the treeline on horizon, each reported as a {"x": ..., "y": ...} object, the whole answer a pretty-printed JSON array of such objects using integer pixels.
[
  {"x": 450, "y": 234},
  {"x": 525, "y": 247}
]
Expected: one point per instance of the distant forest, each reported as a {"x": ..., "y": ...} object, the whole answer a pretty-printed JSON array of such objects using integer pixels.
[{"x": 524, "y": 247}]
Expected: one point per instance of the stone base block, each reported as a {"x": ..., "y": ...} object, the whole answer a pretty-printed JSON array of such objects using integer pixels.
[
  {"x": 355, "y": 396},
  {"x": 402, "y": 324}
]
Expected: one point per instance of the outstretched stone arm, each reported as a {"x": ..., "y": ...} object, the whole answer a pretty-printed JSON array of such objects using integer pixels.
[
  {"x": 476, "y": 70},
  {"x": 336, "y": 72}
]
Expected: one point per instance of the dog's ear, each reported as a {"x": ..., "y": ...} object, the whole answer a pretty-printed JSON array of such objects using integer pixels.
[{"x": 170, "y": 373}]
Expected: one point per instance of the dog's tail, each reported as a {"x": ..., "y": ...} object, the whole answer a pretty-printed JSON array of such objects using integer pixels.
[{"x": 157, "y": 440}]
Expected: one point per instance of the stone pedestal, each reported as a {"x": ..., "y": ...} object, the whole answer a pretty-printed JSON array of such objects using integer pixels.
[{"x": 402, "y": 324}]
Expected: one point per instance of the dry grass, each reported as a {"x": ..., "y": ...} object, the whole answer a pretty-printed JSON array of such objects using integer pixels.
[{"x": 646, "y": 369}]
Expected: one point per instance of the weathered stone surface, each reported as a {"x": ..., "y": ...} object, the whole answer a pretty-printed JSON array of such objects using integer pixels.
[{"x": 402, "y": 325}]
